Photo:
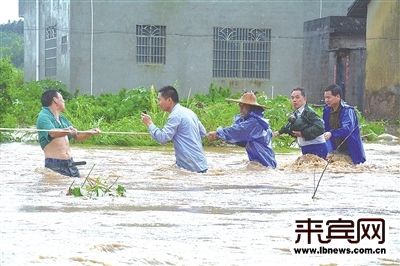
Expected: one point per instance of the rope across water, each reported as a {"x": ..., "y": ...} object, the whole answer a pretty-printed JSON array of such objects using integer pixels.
[{"x": 45, "y": 130}]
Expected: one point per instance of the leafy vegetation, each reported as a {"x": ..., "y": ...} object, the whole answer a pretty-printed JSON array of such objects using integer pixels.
[
  {"x": 120, "y": 112},
  {"x": 12, "y": 42},
  {"x": 96, "y": 188}
]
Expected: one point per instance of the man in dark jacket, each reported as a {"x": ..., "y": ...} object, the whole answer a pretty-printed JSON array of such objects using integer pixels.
[
  {"x": 341, "y": 122},
  {"x": 305, "y": 125}
]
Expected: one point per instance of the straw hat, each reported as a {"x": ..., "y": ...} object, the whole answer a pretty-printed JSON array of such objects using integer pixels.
[{"x": 248, "y": 98}]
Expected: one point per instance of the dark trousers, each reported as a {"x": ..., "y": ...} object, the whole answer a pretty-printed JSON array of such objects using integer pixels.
[
  {"x": 63, "y": 167},
  {"x": 320, "y": 150}
]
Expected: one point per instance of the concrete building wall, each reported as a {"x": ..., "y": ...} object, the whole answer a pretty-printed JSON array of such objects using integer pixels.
[
  {"x": 355, "y": 88},
  {"x": 382, "y": 82},
  {"x": 102, "y": 59},
  {"x": 334, "y": 53},
  {"x": 83, "y": 72},
  {"x": 27, "y": 10},
  {"x": 60, "y": 16},
  {"x": 34, "y": 52},
  {"x": 315, "y": 65}
]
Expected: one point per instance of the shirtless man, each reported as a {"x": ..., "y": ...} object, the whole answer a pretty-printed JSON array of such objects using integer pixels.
[{"x": 55, "y": 142}]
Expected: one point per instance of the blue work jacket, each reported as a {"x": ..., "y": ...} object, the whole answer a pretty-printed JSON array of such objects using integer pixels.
[
  {"x": 254, "y": 131},
  {"x": 348, "y": 122}
]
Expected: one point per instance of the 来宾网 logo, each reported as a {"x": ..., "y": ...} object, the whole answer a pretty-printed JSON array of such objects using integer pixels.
[
  {"x": 354, "y": 232},
  {"x": 316, "y": 235}
]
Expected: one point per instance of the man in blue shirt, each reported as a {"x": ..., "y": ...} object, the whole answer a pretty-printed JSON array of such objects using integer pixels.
[
  {"x": 342, "y": 132},
  {"x": 183, "y": 128}
]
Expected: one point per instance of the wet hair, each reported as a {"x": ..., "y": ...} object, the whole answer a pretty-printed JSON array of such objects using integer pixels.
[
  {"x": 303, "y": 91},
  {"x": 169, "y": 92},
  {"x": 334, "y": 89},
  {"x": 47, "y": 97}
]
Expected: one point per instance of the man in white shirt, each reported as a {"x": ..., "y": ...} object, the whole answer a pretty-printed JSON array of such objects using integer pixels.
[{"x": 306, "y": 126}]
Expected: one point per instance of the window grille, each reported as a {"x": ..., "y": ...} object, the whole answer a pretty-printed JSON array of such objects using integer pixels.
[
  {"x": 241, "y": 53},
  {"x": 150, "y": 44},
  {"x": 50, "y": 47},
  {"x": 64, "y": 44}
]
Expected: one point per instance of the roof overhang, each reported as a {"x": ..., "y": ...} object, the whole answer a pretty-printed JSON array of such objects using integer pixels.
[{"x": 358, "y": 9}]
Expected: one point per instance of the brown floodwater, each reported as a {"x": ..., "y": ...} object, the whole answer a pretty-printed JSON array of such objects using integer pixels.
[{"x": 238, "y": 213}]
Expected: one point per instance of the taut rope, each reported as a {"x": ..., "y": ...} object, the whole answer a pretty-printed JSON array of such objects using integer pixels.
[{"x": 61, "y": 130}]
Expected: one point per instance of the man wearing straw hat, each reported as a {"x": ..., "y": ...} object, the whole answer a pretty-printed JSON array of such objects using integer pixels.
[
  {"x": 55, "y": 141},
  {"x": 250, "y": 128}
]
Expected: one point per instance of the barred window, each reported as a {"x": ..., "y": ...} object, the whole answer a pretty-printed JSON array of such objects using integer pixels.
[
  {"x": 241, "y": 53},
  {"x": 150, "y": 44},
  {"x": 50, "y": 52},
  {"x": 64, "y": 45}
]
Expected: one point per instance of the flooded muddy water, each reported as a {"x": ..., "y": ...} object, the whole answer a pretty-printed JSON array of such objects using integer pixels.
[{"x": 238, "y": 213}]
